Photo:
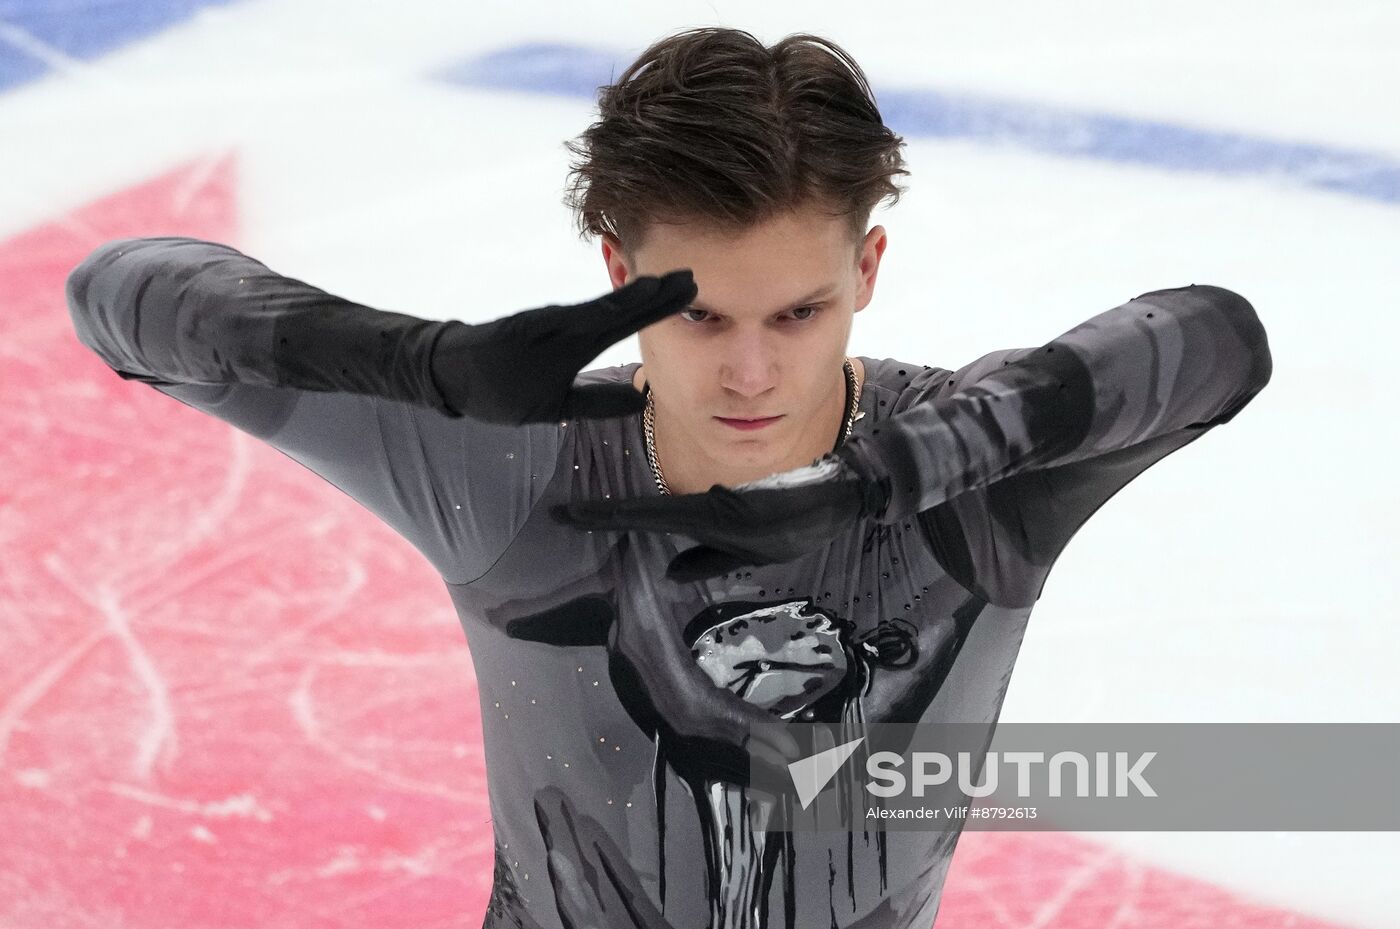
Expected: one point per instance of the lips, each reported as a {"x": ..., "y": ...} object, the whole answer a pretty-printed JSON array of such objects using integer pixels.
[{"x": 747, "y": 424}]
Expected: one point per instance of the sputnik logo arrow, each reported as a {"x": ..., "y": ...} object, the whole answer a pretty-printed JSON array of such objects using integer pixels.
[{"x": 813, "y": 773}]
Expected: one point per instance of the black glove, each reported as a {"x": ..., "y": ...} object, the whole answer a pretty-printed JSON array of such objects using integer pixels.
[
  {"x": 521, "y": 368},
  {"x": 177, "y": 310},
  {"x": 774, "y": 519}
]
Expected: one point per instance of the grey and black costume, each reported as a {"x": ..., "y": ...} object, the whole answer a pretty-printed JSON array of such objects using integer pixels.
[{"x": 915, "y": 612}]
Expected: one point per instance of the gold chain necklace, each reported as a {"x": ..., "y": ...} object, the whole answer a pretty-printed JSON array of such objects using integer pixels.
[{"x": 853, "y": 388}]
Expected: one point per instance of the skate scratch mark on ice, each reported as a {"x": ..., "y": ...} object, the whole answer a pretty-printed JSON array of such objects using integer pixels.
[
  {"x": 223, "y": 504},
  {"x": 161, "y": 729},
  {"x": 260, "y": 537},
  {"x": 1126, "y": 912},
  {"x": 50, "y": 38},
  {"x": 205, "y": 168},
  {"x": 347, "y": 595},
  {"x": 1074, "y": 881},
  {"x": 37, "y": 686},
  {"x": 990, "y": 897},
  {"x": 213, "y": 517},
  {"x": 79, "y": 229},
  {"x": 29, "y": 44},
  {"x": 430, "y": 861},
  {"x": 304, "y": 711},
  {"x": 243, "y": 806}
]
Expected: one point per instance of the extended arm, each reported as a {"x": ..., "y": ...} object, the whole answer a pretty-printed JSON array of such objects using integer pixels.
[
  {"x": 178, "y": 310},
  {"x": 1170, "y": 360},
  {"x": 370, "y": 400},
  {"x": 1121, "y": 389}
]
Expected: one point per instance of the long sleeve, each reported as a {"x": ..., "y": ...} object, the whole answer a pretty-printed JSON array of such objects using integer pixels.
[
  {"x": 1004, "y": 459},
  {"x": 341, "y": 388},
  {"x": 185, "y": 311}
]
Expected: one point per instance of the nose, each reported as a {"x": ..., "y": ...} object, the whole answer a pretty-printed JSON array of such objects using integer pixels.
[{"x": 750, "y": 367}]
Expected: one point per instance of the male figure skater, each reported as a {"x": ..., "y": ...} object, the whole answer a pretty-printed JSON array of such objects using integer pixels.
[{"x": 661, "y": 567}]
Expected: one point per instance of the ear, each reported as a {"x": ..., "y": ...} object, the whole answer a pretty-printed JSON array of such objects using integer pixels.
[
  {"x": 615, "y": 261},
  {"x": 868, "y": 265}
]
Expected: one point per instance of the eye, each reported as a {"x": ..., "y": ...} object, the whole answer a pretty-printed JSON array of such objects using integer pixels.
[
  {"x": 699, "y": 316},
  {"x": 805, "y": 312}
]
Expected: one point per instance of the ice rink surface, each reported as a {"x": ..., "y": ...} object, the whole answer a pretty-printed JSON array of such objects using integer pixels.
[{"x": 229, "y": 697}]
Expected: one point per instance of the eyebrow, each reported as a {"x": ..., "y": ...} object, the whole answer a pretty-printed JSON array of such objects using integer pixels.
[{"x": 821, "y": 293}]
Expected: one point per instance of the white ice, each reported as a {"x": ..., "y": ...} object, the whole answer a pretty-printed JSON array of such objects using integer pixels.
[{"x": 1248, "y": 578}]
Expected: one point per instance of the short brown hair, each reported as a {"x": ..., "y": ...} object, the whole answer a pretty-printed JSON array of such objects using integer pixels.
[{"x": 708, "y": 125}]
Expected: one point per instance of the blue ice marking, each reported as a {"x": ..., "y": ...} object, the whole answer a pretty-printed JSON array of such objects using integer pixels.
[
  {"x": 35, "y": 32},
  {"x": 576, "y": 71}
]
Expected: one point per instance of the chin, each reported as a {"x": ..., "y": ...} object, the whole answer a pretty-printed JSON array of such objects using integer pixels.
[
  {"x": 756, "y": 438},
  {"x": 759, "y": 455}
]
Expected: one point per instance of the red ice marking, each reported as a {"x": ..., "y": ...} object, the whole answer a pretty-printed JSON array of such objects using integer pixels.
[{"x": 229, "y": 696}]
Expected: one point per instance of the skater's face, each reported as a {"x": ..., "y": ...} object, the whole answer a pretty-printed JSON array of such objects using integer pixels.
[{"x": 764, "y": 339}]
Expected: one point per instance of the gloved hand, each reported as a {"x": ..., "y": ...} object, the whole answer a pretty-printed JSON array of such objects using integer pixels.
[
  {"x": 774, "y": 519},
  {"x": 520, "y": 368}
]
